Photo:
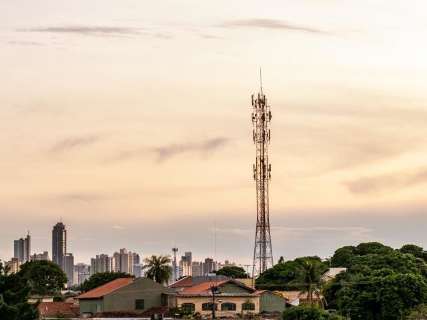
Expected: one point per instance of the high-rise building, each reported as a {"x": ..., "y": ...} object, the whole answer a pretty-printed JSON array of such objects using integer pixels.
[
  {"x": 124, "y": 261},
  {"x": 59, "y": 244},
  {"x": 13, "y": 265},
  {"x": 209, "y": 266},
  {"x": 197, "y": 269},
  {"x": 68, "y": 267},
  {"x": 101, "y": 263},
  {"x": 40, "y": 256},
  {"x": 22, "y": 249},
  {"x": 185, "y": 264},
  {"x": 81, "y": 273}
]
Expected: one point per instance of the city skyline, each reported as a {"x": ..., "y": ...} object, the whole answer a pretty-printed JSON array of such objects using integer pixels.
[{"x": 135, "y": 147}]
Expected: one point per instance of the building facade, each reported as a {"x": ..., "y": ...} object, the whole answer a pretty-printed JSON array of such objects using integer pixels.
[
  {"x": 59, "y": 244},
  {"x": 40, "y": 256},
  {"x": 22, "y": 249},
  {"x": 68, "y": 267}
]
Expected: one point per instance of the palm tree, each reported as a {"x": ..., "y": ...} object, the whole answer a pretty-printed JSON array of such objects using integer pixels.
[
  {"x": 310, "y": 281},
  {"x": 158, "y": 268}
]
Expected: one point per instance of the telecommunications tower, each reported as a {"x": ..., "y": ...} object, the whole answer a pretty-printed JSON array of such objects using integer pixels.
[{"x": 261, "y": 117}]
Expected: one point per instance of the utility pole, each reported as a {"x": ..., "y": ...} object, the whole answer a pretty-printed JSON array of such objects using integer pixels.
[
  {"x": 175, "y": 265},
  {"x": 261, "y": 117}
]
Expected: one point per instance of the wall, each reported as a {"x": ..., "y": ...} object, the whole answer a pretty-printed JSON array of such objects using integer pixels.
[
  {"x": 270, "y": 302},
  {"x": 198, "y": 301},
  {"x": 91, "y": 306}
]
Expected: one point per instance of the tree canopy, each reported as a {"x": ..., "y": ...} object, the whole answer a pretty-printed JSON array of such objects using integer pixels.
[
  {"x": 288, "y": 275},
  {"x": 158, "y": 268},
  {"x": 380, "y": 282},
  {"x": 43, "y": 277},
  {"x": 14, "y": 292},
  {"x": 234, "y": 272},
  {"x": 98, "y": 279},
  {"x": 309, "y": 313}
]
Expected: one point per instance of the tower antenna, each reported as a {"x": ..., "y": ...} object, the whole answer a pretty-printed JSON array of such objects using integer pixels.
[
  {"x": 260, "y": 79},
  {"x": 261, "y": 117}
]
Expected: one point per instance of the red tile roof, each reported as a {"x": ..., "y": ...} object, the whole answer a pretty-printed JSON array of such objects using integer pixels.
[
  {"x": 202, "y": 288},
  {"x": 55, "y": 309},
  {"x": 105, "y": 289},
  {"x": 184, "y": 282}
]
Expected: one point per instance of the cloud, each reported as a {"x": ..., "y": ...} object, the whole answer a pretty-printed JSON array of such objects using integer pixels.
[
  {"x": 85, "y": 30},
  {"x": 24, "y": 43},
  {"x": 73, "y": 143},
  {"x": 270, "y": 24},
  {"x": 167, "y": 152},
  {"x": 378, "y": 184}
]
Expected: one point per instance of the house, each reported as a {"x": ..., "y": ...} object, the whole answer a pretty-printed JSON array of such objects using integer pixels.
[
  {"x": 231, "y": 297},
  {"x": 63, "y": 310},
  {"x": 126, "y": 295},
  {"x": 295, "y": 298},
  {"x": 332, "y": 273},
  {"x": 271, "y": 302}
]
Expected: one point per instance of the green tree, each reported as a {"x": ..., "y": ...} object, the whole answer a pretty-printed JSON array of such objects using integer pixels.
[
  {"x": 342, "y": 257},
  {"x": 415, "y": 251},
  {"x": 309, "y": 279},
  {"x": 14, "y": 292},
  {"x": 101, "y": 278},
  {"x": 309, "y": 313},
  {"x": 158, "y": 268},
  {"x": 233, "y": 272},
  {"x": 282, "y": 276},
  {"x": 43, "y": 277}
]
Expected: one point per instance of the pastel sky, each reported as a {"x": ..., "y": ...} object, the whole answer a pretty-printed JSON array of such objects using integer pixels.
[{"x": 130, "y": 121}]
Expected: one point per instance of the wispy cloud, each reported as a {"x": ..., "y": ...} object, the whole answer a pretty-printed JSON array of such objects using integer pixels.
[
  {"x": 72, "y": 143},
  {"x": 270, "y": 24},
  {"x": 378, "y": 184},
  {"x": 81, "y": 197},
  {"x": 167, "y": 152},
  {"x": 103, "y": 31},
  {"x": 24, "y": 43},
  {"x": 85, "y": 30}
]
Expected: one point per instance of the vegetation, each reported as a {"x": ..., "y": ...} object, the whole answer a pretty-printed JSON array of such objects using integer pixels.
[
  {"x": 233, "y": 272},
  {"x": 14, "y": 292},
  {"x": 291, "y": 275},
  {"x": 418, "y": 313},
  {"x": 309, "y": 279},
  {"x": 158, "y": 268},
  {"x": 98, "y": 279},
  {"x": 309, "y": 313},
  {"x": 43, "y": 277}
]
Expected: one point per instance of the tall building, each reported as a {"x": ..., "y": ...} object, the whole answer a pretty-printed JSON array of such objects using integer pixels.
[
  {"x": 68, "y": 267},
  {"x": 101, "y": 263},
  {"x": 185, "y": 264},
  {"x": 197, "y": 269},
  {"x": 124, "y": 261},
  {"x": 22, "y": 249},
  {"x": 81, "y": 273},
  {"x": 209, "y": 266},
  {"x": 40, "y": 256},
  {"x": 59, "y": 244},
  {"x": 13, "y": 265}
]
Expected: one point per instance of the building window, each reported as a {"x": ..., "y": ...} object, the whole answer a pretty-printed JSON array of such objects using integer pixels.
[
  {"x": 188, "y": 307},
  {"x": 208, "y": 306},
  {"x": 248, "y": 306},
  {"x": 139, "y": 304},
  {"x": 228, "y": 306}
]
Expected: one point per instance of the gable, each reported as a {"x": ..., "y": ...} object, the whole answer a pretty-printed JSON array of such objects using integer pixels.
[
  {"x": 143, "y": 285},
  {"x": 231, "y": 287}
]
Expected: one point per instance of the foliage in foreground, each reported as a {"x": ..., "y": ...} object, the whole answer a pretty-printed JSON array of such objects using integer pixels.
[
  {"x": 99, "y": 279},
  {"x": 43, "y": 277},
  {"x": 309, "y": 313},
  {"x": 14, "y": 292}
]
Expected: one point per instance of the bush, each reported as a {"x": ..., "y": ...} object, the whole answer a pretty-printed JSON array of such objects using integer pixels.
[{"x": 309, "y": 313}]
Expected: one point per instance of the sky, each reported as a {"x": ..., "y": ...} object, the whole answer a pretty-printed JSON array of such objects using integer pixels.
[{"x": 130, "y": 122}]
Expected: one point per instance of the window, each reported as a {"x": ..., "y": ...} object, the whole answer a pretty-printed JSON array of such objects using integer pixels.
[
  {"x": 228, "y": 306},
  {"x": 248, "y": 306},
  {"x": 208, "y": 306},
  {"x": 139, "y": 304},
  {"x": 188, "y": 307}
]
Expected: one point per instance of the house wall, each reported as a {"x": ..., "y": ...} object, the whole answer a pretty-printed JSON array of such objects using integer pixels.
[
  {"x": 270, "y": 302},
  {"x": 124, "y": 298},
  {"x": 91, "y": 306},
  {"x": 198, "y": 301}
]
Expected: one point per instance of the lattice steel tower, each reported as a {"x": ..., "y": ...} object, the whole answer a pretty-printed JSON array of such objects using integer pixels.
[{"x": 261, "y": 117}]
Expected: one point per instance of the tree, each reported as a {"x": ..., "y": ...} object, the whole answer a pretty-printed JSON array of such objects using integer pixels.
[
  {"x": 43, "y": 277},
  {"x": 101, "y": 278},
  {"x": 309, "y": 279},
  {"x": 14, "y": 292},
  {"x": 415, "y": 251},
  {"x": 342, "y": 257},
  {"x": 158, "y": 268},
  {"x": 232, "y": 272},
  {"x": 309, "y": 313},
  {"x": 282, "y": 275}
]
